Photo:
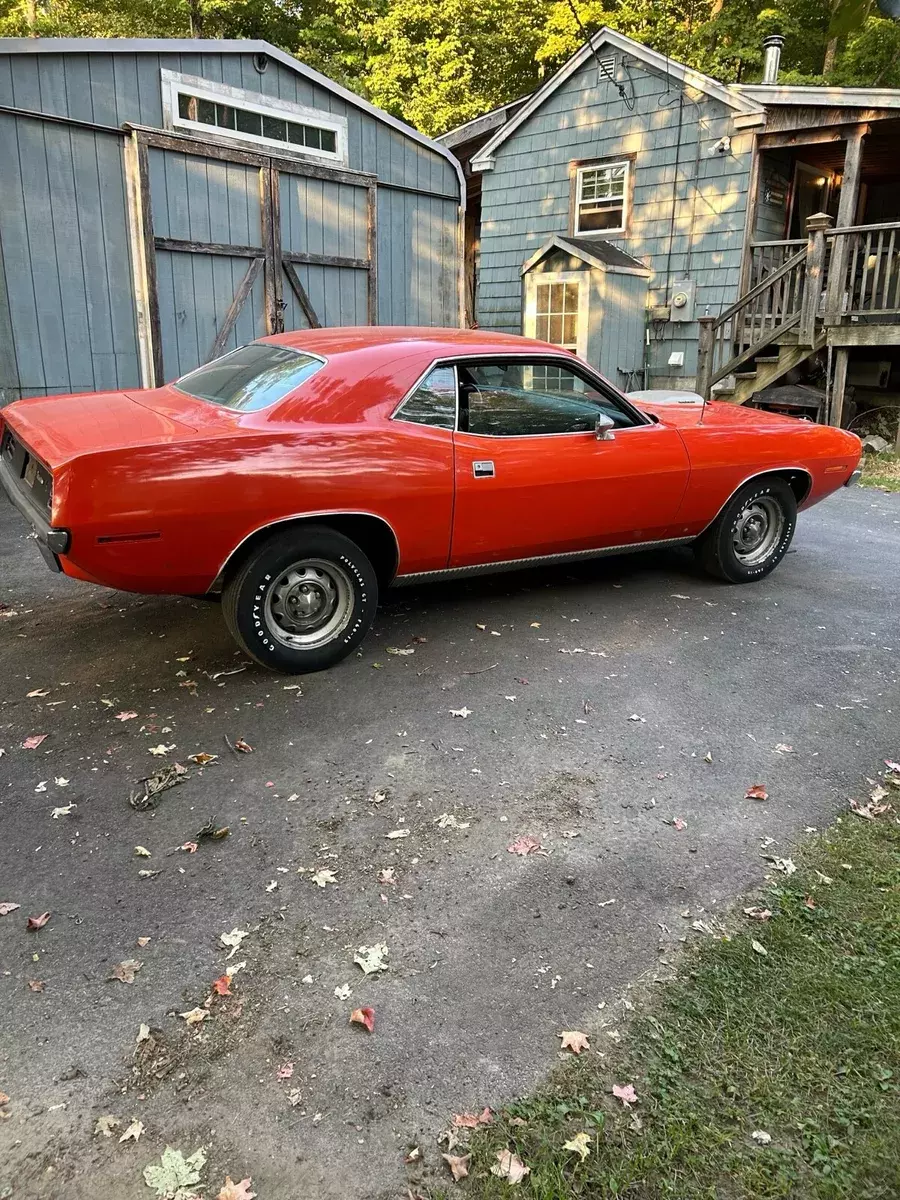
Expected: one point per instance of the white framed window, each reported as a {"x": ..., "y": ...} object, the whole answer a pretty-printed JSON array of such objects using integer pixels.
[
  {"x": 556, "y": 309},
  {"x": 203, "y": 106},
  {"x": 602, "y": 198}
]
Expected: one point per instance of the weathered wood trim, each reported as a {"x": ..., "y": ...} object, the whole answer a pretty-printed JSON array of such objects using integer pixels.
[
  {"x": 187, "y": 247},
  {"x": 812, "y": 282},
  {"x": 300, "y": 292},
  {"x": 275, "y": 196},
  {"x": 791, "y": 138},
  {"x": 864, "y": 335},
  {"x": 244, "y": 289},
  {"x": 265, "y": 209},
  {"x": 372, "y": 254},
  {"x": 140, "y": 214},
  {"x": 838, "y": 387},
  {"x": 750, "y": 215},
  {"x": 846, "y": 215},
  {"x": 182, "y": 144},
  {"x": 326, "y": 260}
]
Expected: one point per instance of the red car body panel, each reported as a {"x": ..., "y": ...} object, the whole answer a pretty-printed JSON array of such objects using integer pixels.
[{"x": 158, "y": 489}]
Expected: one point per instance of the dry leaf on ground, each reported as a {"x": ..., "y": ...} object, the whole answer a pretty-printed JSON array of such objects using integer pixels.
[
  {"x": 461, "y": 712},
  {"x": 574, "y": 1040},
  {"x": 174, "y": 1174},
  {"x": 133, "y": 1132},
  {"x": 286, "y": 1071},
  {"x": 323, "y": 878},
  {"x": 579, "y": 1144},
  {"x": 32, "y": 743},
  {"x": 510, "y": 1167},
  {"x": 371, "y": 958},
  {"x": 364, "y": 1016},
  {"x": 458, "y": 1164},
  {"x": 203, "y": 759},
  {"x": 757, "y": 914},
  {"x": 473, "y": 1120},
  {"x": 63, "y": 811},
  {"x": 195, "y": 1015},
  {"x": 126, "y": 716},
  {"x": 7, "y": 907},
  {"x": 233, "y": 940},
  {"x": 524, "y": 845},
  {"x": 344, "y": 992},
  {"x": 397, "y": 833},
  {"x": 222, "y": 985},
  {"x": 236, "y": 1191},
  {"x": 756, "y": 792},
  {"x": 626, "y": 1093},
  {"x": 125, "y": 971},
  {"x": 105, "y": 1126},
  {"x": 760, "y": 1135},
  {"x": 36, "y": 985},
  {"x": 759, "y": 948},
  {"x": 243, "y": 747},
  {"x": 38, "y": 922}
]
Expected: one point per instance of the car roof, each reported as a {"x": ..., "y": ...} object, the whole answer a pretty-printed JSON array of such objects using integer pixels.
[{"x": 391, "y": 339}]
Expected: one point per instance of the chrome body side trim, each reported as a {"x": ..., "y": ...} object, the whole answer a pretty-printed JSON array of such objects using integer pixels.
[{"x": 519, "y": 564}]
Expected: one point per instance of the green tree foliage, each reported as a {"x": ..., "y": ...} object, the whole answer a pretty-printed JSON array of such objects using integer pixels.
[{"x": 439, "y": 62}]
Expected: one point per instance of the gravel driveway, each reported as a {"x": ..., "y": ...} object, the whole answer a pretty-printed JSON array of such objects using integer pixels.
[{"x": 595, "y": 699}]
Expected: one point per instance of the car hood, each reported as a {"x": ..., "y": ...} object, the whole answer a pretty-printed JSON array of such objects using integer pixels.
[
  {"x": 60, "y": 428},
  {"x": 716, "y": 414}
]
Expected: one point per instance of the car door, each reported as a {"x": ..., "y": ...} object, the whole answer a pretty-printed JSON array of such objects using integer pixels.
[{"x": 532, "y": 477}]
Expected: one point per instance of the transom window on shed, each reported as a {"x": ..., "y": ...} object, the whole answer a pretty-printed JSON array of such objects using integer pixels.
[
  {"x": 206, "y": 106},
  {"x": 601, "y": 198}
]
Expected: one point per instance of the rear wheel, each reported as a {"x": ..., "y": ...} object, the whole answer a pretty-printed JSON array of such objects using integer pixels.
[
  {"x": 302, "y": 601},
  {"x": 752, "y": 534}
]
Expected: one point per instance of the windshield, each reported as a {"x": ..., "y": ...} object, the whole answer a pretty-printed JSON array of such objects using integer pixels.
[{"x": 251, "y": 377}]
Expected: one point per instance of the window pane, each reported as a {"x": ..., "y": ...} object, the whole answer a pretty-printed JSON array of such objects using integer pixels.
[
  {"x": 542, "y": 327},
  {"x": 571, "y": 298},
  {"x": 224, "y": 116},
  {"x": 556, "y": 330},
  {"x": 206, "y": 112},
  {"x": 434, "y": 401},
  {"x": 515, "y": 399},
  {"x": 557, "y": 291},
  {"x": 592, "y": 217},
  {"x": 250, "y": 378},
  {"x": 249, "y": 122},
  {"x": 329, "y": 140},
  {"x": 274, "y": 128},
  {"x": 186, "y": 106},
  {"x": 570, "y": 330}
]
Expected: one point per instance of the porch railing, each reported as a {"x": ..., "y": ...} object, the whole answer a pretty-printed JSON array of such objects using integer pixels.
[{"x": 835, "y": 277}]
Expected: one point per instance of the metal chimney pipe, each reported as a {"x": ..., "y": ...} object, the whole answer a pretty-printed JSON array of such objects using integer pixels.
[{"x": 772, "y": 62}]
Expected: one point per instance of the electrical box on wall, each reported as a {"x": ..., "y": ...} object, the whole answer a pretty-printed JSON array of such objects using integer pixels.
[{"x": 682, "y": 300}]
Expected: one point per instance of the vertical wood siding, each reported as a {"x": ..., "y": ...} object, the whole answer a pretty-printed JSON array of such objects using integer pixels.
[
  {"x": 66, "y": 290},
  {"x": 526, "y": 198}
]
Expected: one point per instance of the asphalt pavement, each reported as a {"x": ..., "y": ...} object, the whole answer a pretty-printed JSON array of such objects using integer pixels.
[{"x": 615, "y": 713}]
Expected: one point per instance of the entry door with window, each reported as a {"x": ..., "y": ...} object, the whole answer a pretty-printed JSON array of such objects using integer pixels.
[
  {"x": 556, "y": 309},
  {"x": 532, "y": 478}
]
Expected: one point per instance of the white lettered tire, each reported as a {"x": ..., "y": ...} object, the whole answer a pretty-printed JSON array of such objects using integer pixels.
[
  {"x": 303, "y": 600},
  {"x": 752, "y": 534}
]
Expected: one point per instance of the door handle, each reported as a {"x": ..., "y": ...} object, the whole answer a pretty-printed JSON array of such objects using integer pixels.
[{"x": 483, "y": 468}]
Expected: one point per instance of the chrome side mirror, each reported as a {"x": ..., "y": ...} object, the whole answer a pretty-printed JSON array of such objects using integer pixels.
[{"x": 603, "y": 429}]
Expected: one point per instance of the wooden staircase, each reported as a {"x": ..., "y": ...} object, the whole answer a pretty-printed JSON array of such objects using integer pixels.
[{"x": 765, "y": 369}]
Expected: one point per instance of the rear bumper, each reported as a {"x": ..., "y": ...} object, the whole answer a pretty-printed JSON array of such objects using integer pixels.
[
  {"x": 51, "y": 542},
  {"x": 854, "y": 478}
]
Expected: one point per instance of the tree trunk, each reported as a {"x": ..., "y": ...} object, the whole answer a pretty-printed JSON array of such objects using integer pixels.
[{"x": 830, "y": 52}]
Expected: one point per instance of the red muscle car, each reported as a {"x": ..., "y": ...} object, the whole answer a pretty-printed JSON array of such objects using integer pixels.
[{"x": 303, "y": 473}]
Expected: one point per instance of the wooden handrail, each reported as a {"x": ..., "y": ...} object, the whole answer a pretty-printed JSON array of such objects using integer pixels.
[
  {"x": 830, "y": 233},
  {"x": 787, "y": 266},
  {"x": 784, "y": 242}
]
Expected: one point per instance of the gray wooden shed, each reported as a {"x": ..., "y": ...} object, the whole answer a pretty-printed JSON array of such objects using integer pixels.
[
  {"x": 587, "y": 295},
  {"x": 162, "y": 201}
]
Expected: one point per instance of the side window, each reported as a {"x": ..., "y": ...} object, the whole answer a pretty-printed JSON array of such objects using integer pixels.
[
  {"x": 434, "y": 401},
  {"x": 517, "y": 399}
]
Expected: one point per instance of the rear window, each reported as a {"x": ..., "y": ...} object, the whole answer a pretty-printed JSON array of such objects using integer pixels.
[{"x": 251, "y": 377}]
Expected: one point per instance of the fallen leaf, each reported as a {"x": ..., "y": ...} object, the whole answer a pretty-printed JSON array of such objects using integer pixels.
[
  {"x": 781, "y": 748},
  {"x": 7, "y": 907},
  {"x": 286, "y": 1071},
  {"x": 387, "y": 875},
  {"x": 524, "y": 845},
  {"x": 133, "y": 1132},
  {"x": 203, "y": 759},
  {"x": 759, "y": 948},
  {"x": 760, "y": 1135},
  {"x": 412, "y": 1156},
  {"x": 757, "y": 914},
  {"x": 579, "y": 1144},
  {"x": 371, "y": 958},
  {"x": 233, "y": 940},
  {"x": 36, "y": 985},
  {"x": 449, "y": 821},
  {"x": 4, "y": 1099},
  {"x": 397, "y": 833},
  {"x": 189, "y": 847},
  {"x": 344, "y": 992},
  {"x": 149, "y": 874},
  {"x": 236, "y": 1191},
  {"x": 126, "y": 971},
  {"x": 143, "y": 1033},
  {"x": 32, "y": 743},
  {"x": 399, "y": 650},
  {"x": 626, "y": 1093},
  {"x": 510, "y": 1167},
  {"x": 364, "y": 1016},
  {"x": 461, "y": 712},
  {"x": 458, "y": 1164},
  {"x": 574, "y": 1040},
  {"x": 142, "y": 852},
  {"x": 638, "y": 717},
  {"x": 174, "y": 1174},
  {"x": 757, "y": 792},
  {"x": 38, "y": 922},
  {"x": 38, "y": 692},
  {"x": 126, "y": 716},
  {"x": 105, "y": 1126},
  {"x": 680, "y": 823},
  {"x": 243, "y": 747},
  {"x": 323, "y": 878},
  {"x": 473, "y": 1120},
  {"x": 809, "y": 902},
  {"x": 56, "y": 813},
  {"x": 222, "y": 985},
  {"x": 160, "y": 750},
  {"x": 195, "y": 1015}
]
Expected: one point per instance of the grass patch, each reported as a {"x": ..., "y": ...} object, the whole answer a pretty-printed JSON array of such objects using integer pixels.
[
  {"x": 881, "y": 471},
  {"x": 802, "y": 1042}
]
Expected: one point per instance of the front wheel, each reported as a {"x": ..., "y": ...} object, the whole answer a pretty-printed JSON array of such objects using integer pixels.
[
  {"x": 302, "y": 601},
  {"x": 751, "y": 535}
]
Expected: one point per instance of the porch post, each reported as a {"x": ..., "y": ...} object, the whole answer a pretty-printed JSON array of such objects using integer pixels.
[
  {"x": 838, "y": 386},
  {"x": 812, "y": 282},
  {"x": 846, "y": 216},
  {"x": 704, "y": 356}
]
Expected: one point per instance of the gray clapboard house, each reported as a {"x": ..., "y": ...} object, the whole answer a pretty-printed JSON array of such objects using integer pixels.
[
  {"x": 686, "y": 233},
  {"x": 164, "y": 201}
]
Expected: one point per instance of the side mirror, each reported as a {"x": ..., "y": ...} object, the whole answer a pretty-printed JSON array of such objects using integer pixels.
[{"x": 603, "y": 429}]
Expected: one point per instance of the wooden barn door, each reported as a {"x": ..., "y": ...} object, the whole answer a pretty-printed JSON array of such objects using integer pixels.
[{"x": 230, "y": 245}]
